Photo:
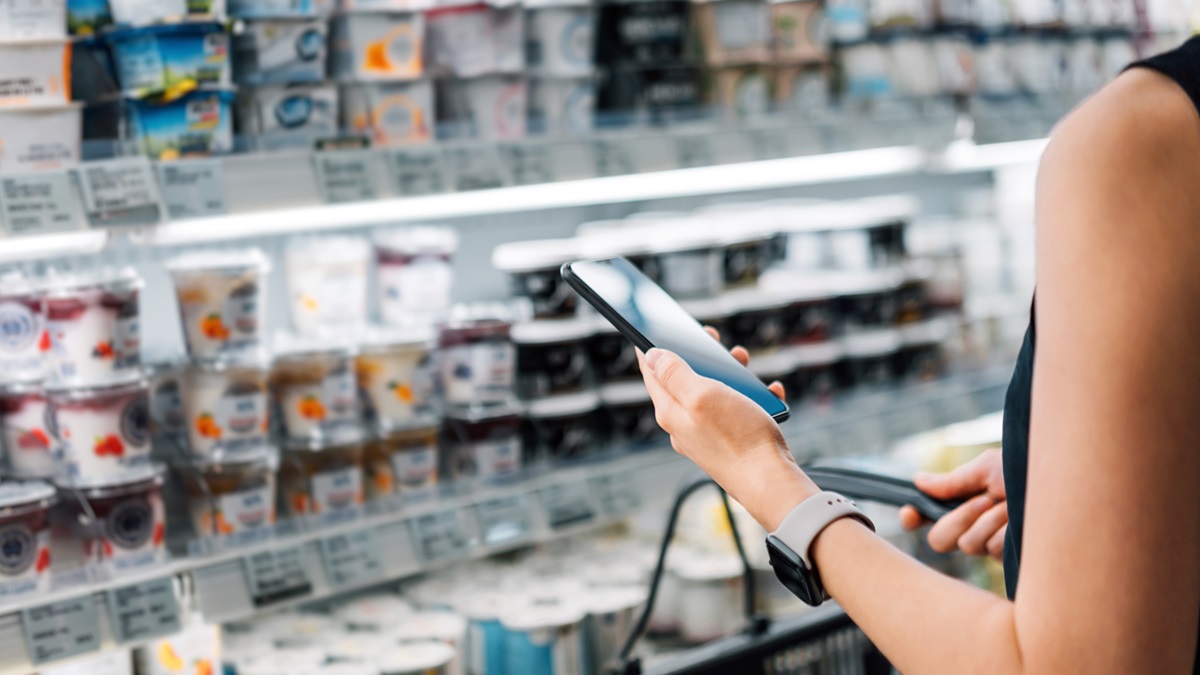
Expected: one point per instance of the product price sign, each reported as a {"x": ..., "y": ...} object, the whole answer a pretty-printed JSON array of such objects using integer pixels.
[
  {"x": 474, "y": 167},
  {"x": 611, "y": 158},
  {"x": 617, "y": 493},
  {"x": 417, "y": 172},
  {"x": 440, "y": 536},
  {"x": 144, "y": 611},
  {"x": 193, "y": 188},
  {"x": 120, "y": 192},
  {"x": 345, "y": 175},
  {"x": 61, "y": 630},
  {"x": 767, "y": 143},
  {"x": 693, "y": 151},
  {"x": 37, "y": 203},
  {"x": 352, "y": 559},
  {"x": 505, "y": 519},
  {"x": 567, "y": 504},
  {"x": 529, "y": 164},
  {"x": 572, "y": 160},
  {"x": 275, "y": 576}
]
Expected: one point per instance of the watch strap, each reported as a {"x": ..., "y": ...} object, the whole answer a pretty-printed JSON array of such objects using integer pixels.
[{"x": 800, "y": 527}]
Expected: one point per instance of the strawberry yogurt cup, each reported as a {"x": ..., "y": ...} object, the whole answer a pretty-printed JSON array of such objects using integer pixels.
[
  {"x": 23, "y": 338},
  {"x": 130, "y": 529},
  {"x": 92, "y": 322},
  {"x": 25, "y": 537},
  {"x": 104, "y": 431},
  {"x": 27, "y": 427}
]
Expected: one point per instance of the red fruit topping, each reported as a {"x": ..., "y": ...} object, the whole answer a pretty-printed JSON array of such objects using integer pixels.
[
  {"x": 34, "y": 439},
  {"x": 108, "y": 549},
  {"x": 111, "y": 445},
  {"x": 160, "y": 533},
  {"x": 103, "y": 350},
  {"x": 43, "y": 560},
  {"x": 44, "y": 342}
]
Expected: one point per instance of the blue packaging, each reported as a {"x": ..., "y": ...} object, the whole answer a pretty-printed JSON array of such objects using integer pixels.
[
  {"x": 196, "y": 124},
  {"x": 170, "y": 59},
  {"x": 278, "y": 9},
  {"x": 545, "y": 640},
  {"x": 486, "y": 636},
  {"x": 85, "y": 17}
]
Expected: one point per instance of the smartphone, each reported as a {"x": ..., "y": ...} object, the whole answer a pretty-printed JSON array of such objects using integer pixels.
[{"x": 649, "y": 317}]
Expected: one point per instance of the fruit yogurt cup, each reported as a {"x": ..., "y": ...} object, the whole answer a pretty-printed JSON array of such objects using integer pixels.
[
  {"x": 227, "y": 408},
  {"x": 104, "y": 431},
  {"x": 327, "y": 283},
  {"x": 131, "y": 525},
  {"x": 402, "y": 462},
  {"x": 315, "y": 391},
  {"x": 25, "y": 537},
  {"x": 23, "y": 339},
  {"x": 396, "y": 375},
  {"x": 316, "y": 479},
  {"x": 477, "y": 361},
  {"x": 415, "y": 273},
  {"x": 92, "y": 322},
  {"x": 232, "y": 497},
  {"x": 29, "y": 442},
  {"x": 222, "y": 302}
]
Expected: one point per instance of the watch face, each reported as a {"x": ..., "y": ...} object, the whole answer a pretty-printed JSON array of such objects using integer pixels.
[{"x": 793, "y": 574}]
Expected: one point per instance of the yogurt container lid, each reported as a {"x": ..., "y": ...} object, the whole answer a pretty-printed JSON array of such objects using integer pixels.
[
  {"x": 415, "y": 657},
  {"x": 928, "y": 332},
  {"x": 329, "y": 249},
  {"x": 615, "y": 599},
  {"x": 64, "y": 391},
  {"x": 282, "y": 661},
  {"x": 219, "y": 260},
  {"x": 22, "y": 493},
  {"x": 522, "y": 256},
  {"x": 435, "y": 625},
  {"x": 256, "y": 360},
  {"x": 706, "y": 309},
  {"x": 600, "y": 227},
  {"x": 101, "y": 486},
  {"x": 888, "y": 208},
  {"x": 672, "y": 236},
  {"x": 551, "y": 331},
  {"x": 754, "y": 300},
  {"x": 865, "y": 282},
  {"x": 649, "y": 216},
  {"x": 417, "y": 239},
  {"x": 611, "y": 243},
  {"x": 772, "y": 366},
  {"x": 15, "y": 284},
  {"x": 295, "y": 346},
  {"x": 387, "y": 338},
  {"x": 797, "y": 285},
  {"x": 294, "y": 626},
  {"x": 357, "y": 646},
  {"x": 181, "y": 28},
  {"x": 263, "y": 456},
  {"x": 624, "y": 393},
  {"x": 563, "y": 405},
  {"x": 344, "y": 668},
  {"x": 874, "y": 343},
  {"x": 489, "y": 606},
  {"x": 373, "y": 609},
  {"x": 540, "y": 617},
  {"x": 483, "y": 413},
  {"x": 814, "y": 217},
  {"x": 11, "y": 389},
  {"x": 475, "y": 314},
  {"x": 338, "y": 439},
  {"x": 818, "y": 354},
  {"x": 709, "y": 568},
  {"x": 115, "y": 279}
]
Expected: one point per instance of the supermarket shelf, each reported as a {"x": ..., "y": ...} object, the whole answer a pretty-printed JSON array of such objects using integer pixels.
[
  {"x": 60, "y": 244},
  {"x": 965, "y": 156}
]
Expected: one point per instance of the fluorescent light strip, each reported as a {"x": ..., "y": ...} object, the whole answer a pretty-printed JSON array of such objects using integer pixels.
[
  {"x": 21, "y": 248},
  {"x": 963, "y": 157}
]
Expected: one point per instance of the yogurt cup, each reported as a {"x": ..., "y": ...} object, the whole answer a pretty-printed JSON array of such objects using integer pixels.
[
  {"x": 281, "y": 661},
  {"x": 922, "y": 355},
  {"x": 375, "y": 613},
  {"x": 113, "y": 662},
  {"x": 814, "y": 378},
  {"x": 103, "y": 431},
  {"x": 866, "y": 301},
  {"x": 561, "y": 39},
  {"x": 493, "y": 107},
  {"x": 233, "y": 496},
  {"x": 39, "y": 138},
  {"x": 477, "y": 361},
  {"x": 29, "y": 442},
  {"x": 611, "y": 239},
  {"x": 32, "y": 21},
  {"x": 808, "y": 316},
  {"x": 477, "y": 39},
  {"x": 93, "y": 324},
  {"x": 288, "y": 116},
  {"x": 709, "y": 597},
  {"x": 563, "y": 104},
  {"x": 869, "y": 359},
  {"x": 612, "y": 357},
  {"x": 167, "y": 417},
  {"x": 799, "y": 32},
  {"x": 551, "y": 357},
  {"x": 415, "y": 274},
  {"x": 402, "y": 462},
  {"x": 757, "y": 318},
  {"x": 143, "y": 12},
  {"x": 278, "y": 51},
  {"x": 533, "y": 269},
  {"x": 357, "y": 648},
  {"x": 377, "y": 46},
  {"x": 416, "y": 658},
  {"x": 562, "y": 427},
  {"x": 444, "y": 627},
  {"x": 327, "y": 283},
  {"x": 734, "y": 32},
  {"x": 23, "y": 337},
  {"x": 315, "y": 480},
  {"x": 222, "y": 302},
  {"x": 131, "y": 520},
  {"x": 198, "y": 124},
  {"x": 630, "y": 415},
  {"x": 315, "y": 392},
  {"x": 169, "y": 58},
  {"x": 25, "y": 537},
  {"x": 396, "y": 375},
  {"x": 691, "y": 257},
  {"x": 227, "y": 408},
  {"x": 391, "y": 113},
  {"x": 611, "y": 613},
  {"x": 35, "y": 73},
  {"x": 86, "y": 17},
  {"x": 545, "y": 639},
  {"x": 486, "y": 636},
  {"x": 481, "y": 443}
]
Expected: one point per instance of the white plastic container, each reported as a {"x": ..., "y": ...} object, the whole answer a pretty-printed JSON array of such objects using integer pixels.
[
  {"x": 533, "y": 267},
  {"x": 551, "y": 357},
  {"x": 315, "y": 391},
  {"x": 396, "y": 375},
  {"x": 417, "y": 658},
  {"x": 565, "y": 105},
  {"x": 392, "y": 113},
  {"x": 104, "y": 431},
  {"x": 327, "y": 283},
  {"x": 33, "y": 20},
  {"x": 477, "y": 361},
  {"x": 377, "y": 46},
  {"x": 227, "y": 409},
  {"x": 35, "y": 73},
  {"x": 23, "y": 338},
  {"x": 40, "y": 138},
  {"x": 561, "y": 38},
  {"x": 415, "y": 273},
  {"x": 476, "y": 40},
  {"x": 25, "y": 538},
  {"x": 93, "y": 323},
  {"x": 222, "y": 302},
  {"x": 288, "y": 116},
  {"x": 280, "y": 52},
  {"x": 709, "y": 597},
  {"x": 374, "y": 613},
  {"x": 131, "y": 517},
  {"x": 539, "y": 635},
  {"x": 611, "y": 613},
  {"x": 691, "y": 257},
  {"x": 495, "y": 106},
  {"x": 442, "y": 627},
  {"x": 28, "y": 432}
]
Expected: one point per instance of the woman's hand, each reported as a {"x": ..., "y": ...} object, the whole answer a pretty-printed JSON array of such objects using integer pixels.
[
  {"x": 978, "y": 526},
  {"x": 729, "y": 436}
]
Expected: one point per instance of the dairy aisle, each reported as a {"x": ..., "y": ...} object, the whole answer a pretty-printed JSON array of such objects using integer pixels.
[{"x": 290, "y": 383}]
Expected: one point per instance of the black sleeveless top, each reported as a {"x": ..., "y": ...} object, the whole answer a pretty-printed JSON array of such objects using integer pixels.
[{"x": 1183, "y": 66}]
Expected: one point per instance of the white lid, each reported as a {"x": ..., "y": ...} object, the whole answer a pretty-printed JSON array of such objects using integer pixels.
[
  {"x": 932, "y": 331},
  {"x": 20, "y": 493},
  {"x": 374, "y": 608},
  {"x": 65, "y": 284},
  {"x": 650, "y": 216},
  {"x": 874, "y": 343},
  {"x": 815, "y": 217},
  {"x": 600, "y": 227},
  {"x": 415, "y": 657},
  {"x": 541, "y": 617},
  {"x": 432, "y": 625},
  {"x": 684, "y": 234},
  {"x": 889, "y": 208},
  {"x": 918, "y": 269},
  {"x": 710, "y": 567},
  {"x": 797, "y": 285},
  {"x": 624, "y": 393},
  {"x": 329, "y": 248},
  {"x": 564, "y": 405},
  {"x": 295, "y": 626},
  {"x": 737, "y": 226},
  {"x": 867, "y": 281},
  {"x": 357, "y": 646},
  {"x": 771, "y": 366},
  {"x": 13, "y": 283},
  {"x": 614, "y": 599},
  {"x": 464, "y": 313},
  {"x": 755, "y": 299},
  {"x": 490, "y": 605},
  {"x": 65, "y": 391},
  {"x": 417, "y": 239},
  {"x": 383, "y": 337},
  {"x": 612, "y": 243},
  {"x": 705, "y": 309},
  {"x": 819, "y": 354},
  {"x": 345, "y": 668},
  {"x": 288, "y": 345},
  {"x": 521, "y": 256},
  {"x": 551, "y": 331},
  {"x": 283, "y": 661},
  {"x": 230, "y": 259}
]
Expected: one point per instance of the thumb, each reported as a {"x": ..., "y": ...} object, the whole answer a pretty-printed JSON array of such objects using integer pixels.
[
  {"x": 969, "y": 479},
  {"x": 672, "y": 372}
]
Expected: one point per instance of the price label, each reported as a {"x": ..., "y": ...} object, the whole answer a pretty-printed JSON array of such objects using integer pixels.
[
  {"x": 567, "y": 504},
  {"x": 440, "y": 536},
  {"x": 529, "y": 164},
  {"x": 143, "y": 611},
  {"x": 767, "y": 143},
  {"x": 505, "y": 519},
  {"x": 37, "y": 203},
  {"x": 617, "y": 494},
  {"x": 611, "y": 158},
  {"x": 61, "y": 630},
  {"x": 345, "y": 175},
  {"x": 352, "y": 559},
  {"x": 275, "y": 576},
  {"x": 694, "y": 151},
  {"x": 120, "y": 192},
  {"x": 475, "y": 167},
  {"x": 193, "y": 188},
  {"x": 417, "y": 172}
]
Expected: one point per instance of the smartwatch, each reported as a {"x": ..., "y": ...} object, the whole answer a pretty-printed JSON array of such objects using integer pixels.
[{"x": 788, "y": 546}]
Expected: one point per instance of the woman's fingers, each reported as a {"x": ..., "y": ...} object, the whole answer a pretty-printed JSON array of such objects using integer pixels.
[
  {"x": 777, "y": 389},
  {"x": 742, "y": 356},
  {"x": 995, "y": 545},
  {"x": 944, "y": 535},
  {"x": 975, "y": 540},
  {"x": 968, "y": 479},
  {"x": 716, "y": 334},
  {"x": 911, "y": 519},
  {"x": 665, "y": 404}
]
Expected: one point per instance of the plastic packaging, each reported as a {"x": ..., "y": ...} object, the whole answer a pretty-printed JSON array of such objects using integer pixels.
[
  {"x": 167, "y": 417},
  {"x": 316, "y": 392},
  {"x": 403, "y": 461},
  {"x": 416, "y": 658},
  {"x": 232, "y": 497},
  {"x": 545, "y": 639},
  {"x": 709, "y": 597},
  {"x": 222, "y": 302},
  {"x": 391, "y": 113},
  {"x": 481, "y": 443},
  {"x": 35, "y": 73},
  {"x": 317, "y": 480},
  {"x": 562, "y": 427},
  {"x": 533, "y": 268},
  {"x": 377, "y": 46},
  {"x": 198, "y": 124},
  {"x": 93, "y": 324},
  {"x": 396, "y": 375},
  {"x": 25, "y": 537},
  {"x": 551, "y": 357},
  {"x": 492, "y": 107},
  {"x": 561, "y": 40},
  {"x": 28, "y": 432},
  {"x": 86, "y": 17},
  {"x": 327, "y": 283},
  {"x": 474, "y": 40},
  {"x": 104, "y": 431},
  {"x": 629, "y": 415},
  {"x": 227, "y": 409},
  {"x": 23, "y": 337},
  {"x": 563, "y": 105},
  {"x": 477, "y": 361},
  {"x": 288, "y": 116},
  {"x": 691, "y": 258},
  {"x": 170, "y": 58},
  {"x": 280, "y": 52},
  {"x": 132, "y": 520},
  {"x": 415, "y": 274}
]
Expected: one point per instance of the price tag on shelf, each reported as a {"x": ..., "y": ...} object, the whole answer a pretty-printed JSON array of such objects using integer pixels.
[
  {"x": 694, "y": 150},
  {"x": 37, "y": 203},
  {"x": 571, "y": 160},
  {"x": 611, "y": 158},
  {"x": 505, "y": 519},
  {"x": 345, "y": 175},
  {"x": 474, "y": 167},
  {"x": 567, "y": 504},
  {"x": 440, "y": 536},
  {"x": 529, "y": 164},
  {"x": 61, "y": 629},
  {"x": 193, "y": 188},
  {"x": 143, "y": 611},
  {"x": 767, "y": 143},
  {"x": 352, "y": 559},
  {"x": 616, "y": 494},
  {"x": 120, "y": 192},
  {"x": 275, "y": 576},
  {"x": 417, "y": 171}
]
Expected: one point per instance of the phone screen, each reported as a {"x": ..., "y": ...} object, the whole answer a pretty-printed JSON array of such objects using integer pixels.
[{"x": 661, "y": 322}]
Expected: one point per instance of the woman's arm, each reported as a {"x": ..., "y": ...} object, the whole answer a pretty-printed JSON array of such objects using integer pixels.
[{"x": 1110, "y": 576}]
